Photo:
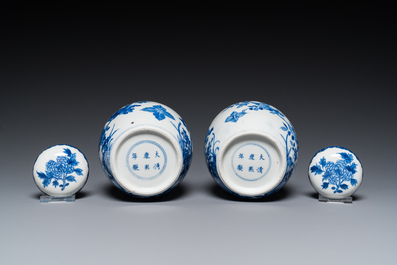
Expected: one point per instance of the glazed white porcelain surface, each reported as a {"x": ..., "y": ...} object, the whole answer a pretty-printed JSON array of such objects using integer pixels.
[
  {"x": 60, "y": 171},
  {"x": 251, "y": 149},
  {"x": 335, "y": 172},
  {"x": 145, "y": 149}
]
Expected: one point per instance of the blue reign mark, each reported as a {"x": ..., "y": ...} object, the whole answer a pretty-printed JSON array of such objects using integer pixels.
[
  {"x": 291, "y": 144},
  {"x": 336, "y": 173},
  {"x": 61, "y": 170},
  {"x": 150, "y": 167},
  {"x": 256, "y": 164},
  {"x": 160, "y": 113}
]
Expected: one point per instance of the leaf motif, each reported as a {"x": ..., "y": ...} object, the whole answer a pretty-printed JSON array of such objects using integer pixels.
[
  {"x": 284, "y": 129},
  {"x": 347, "y": 157},
  {"x": 67, "y": 151},
  {"x": 316, "y": 170},
  {"x": 323, "y": 162},
  {"x": 73, "y": 162},
  {"x": 71, "y": 178},
  {"x": 41, "y": 175},
  {"x": 169, "y": 115},
  {"x": 326, "y": 175},
  {"x": 353, "y": 182},
  {"x": 55, "y": 183},
  {"x": 344, "y": 186},
  {"x": 352, "y": 168},
  {"x": 78, "y": 171},
  {"x": 242, "y": 104},
  {"x": 338, "y": 191},
  {"x": 46, "y": 179},
  {"x": 234, "y": 116},
  {"x": 46, "y": 182},
  {"x": 159, "y": 112},
  {"x": 325, "y": 185}
]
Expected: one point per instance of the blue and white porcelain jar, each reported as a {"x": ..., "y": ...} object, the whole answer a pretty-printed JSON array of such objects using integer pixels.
[
  {"x": 251, "y": 149},
  {"x": 145, "y": 149}
]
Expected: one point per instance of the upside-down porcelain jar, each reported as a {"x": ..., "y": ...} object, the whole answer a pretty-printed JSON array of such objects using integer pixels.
[
  {"x": 251, "y": 149},
  {"x": 145, "y": 149}
]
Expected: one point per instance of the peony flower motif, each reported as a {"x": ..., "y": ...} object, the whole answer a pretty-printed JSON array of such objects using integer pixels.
[
  {"x": 336, "y": 173},
  {"x": 61, "y": 170}
]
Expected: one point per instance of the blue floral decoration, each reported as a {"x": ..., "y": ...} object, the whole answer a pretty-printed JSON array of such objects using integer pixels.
[
  {"x": 288, "y": 135},
  {"x": 124, "y": 110},
  {"x": 291, "y": 144},
  {"x": 252, "y": 106},
  {"x": 337, "y": 174},
  {"x": 105, "y": 142},
  {"x": 210, "y": 152},
  {"x": 59, "y": 172},
  {"x": 186, "y": 145},
  {"x": 235, "y": 116},
  {"x": 239, "y": 105},
  {"x": 289, "y": 138},
  {"x": 159, "y": 112}
]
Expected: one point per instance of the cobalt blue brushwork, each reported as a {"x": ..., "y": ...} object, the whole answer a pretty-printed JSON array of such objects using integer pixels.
[
  {"x": 251, "y": 149},
  {"x": 60, "y": 172},
  {"x": 335, "y": 172},
  {"x": 159, "y": 112},
  {"x": 149, "y": 137},
  {"x": 152, "y": 164},
  {"x": 251, "y": 158}
]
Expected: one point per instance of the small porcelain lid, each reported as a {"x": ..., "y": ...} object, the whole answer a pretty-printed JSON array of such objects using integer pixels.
[
  {"x": 335, "y": 172},
  {"x": 61, "y": 170}
]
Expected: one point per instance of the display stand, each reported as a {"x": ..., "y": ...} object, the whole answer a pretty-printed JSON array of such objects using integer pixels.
[
  {"x": 347, "y": 200},
  {"x": 52, "y": 199}
]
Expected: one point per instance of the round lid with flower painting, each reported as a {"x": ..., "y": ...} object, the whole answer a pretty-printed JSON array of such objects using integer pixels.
[
  {"x": 335, "y": 172},
  {"x": 60, "y": 171}
]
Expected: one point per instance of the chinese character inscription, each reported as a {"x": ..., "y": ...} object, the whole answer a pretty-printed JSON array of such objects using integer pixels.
[
  {"x": 146, "y": 160},
  {"x": 251, "y": 162}
]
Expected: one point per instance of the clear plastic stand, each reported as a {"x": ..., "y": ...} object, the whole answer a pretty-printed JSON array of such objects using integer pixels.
[
  {"x": 347, "y": 200},
  {"x": 52, "y": 199}
]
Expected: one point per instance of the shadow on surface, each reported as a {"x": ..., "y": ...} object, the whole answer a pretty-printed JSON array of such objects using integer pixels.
[
  {"x": 314, "y": 195},
  {"x": 179, "y": 191},
  {"x": 218, "y": 192},
  {"x": 82, "y": 195},
  {"x": 79, "y": 195}
]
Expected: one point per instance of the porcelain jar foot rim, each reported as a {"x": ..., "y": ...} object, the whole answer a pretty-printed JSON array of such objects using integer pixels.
[
  {"x": 252, "y": 163},
  {"x": 151, "y": 175}
]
